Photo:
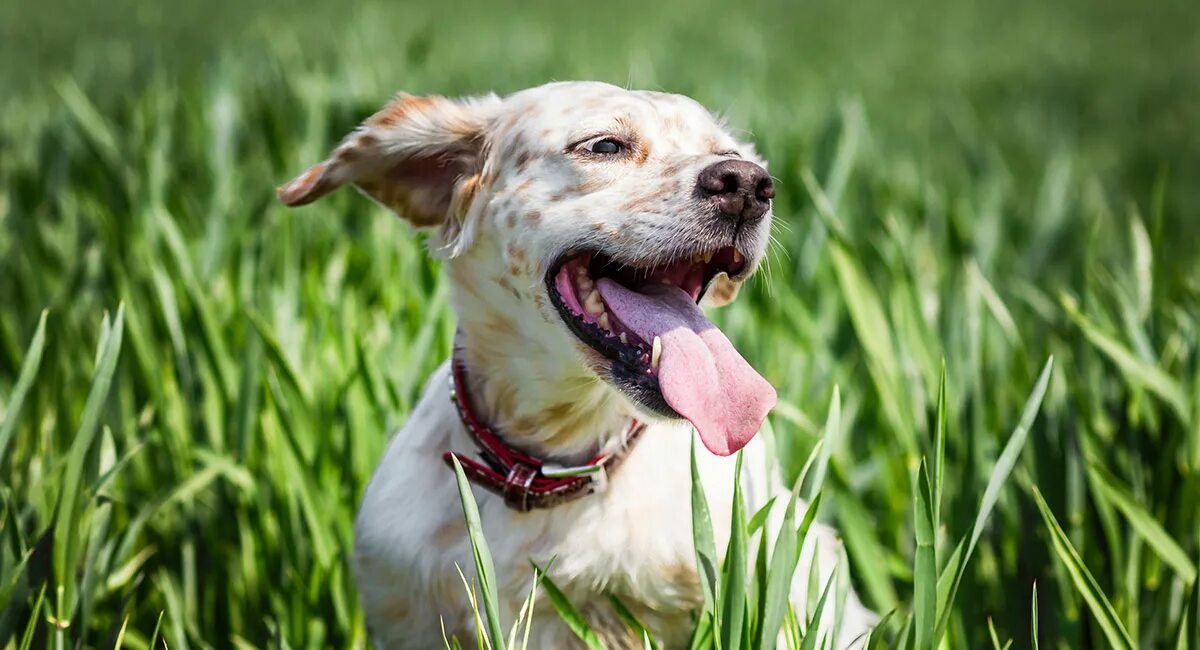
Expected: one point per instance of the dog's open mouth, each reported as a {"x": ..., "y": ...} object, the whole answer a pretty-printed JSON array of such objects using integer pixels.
[{"x": 664, "y": 352}]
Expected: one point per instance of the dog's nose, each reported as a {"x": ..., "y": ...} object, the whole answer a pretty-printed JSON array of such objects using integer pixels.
[{"x": 739, "y": 188}]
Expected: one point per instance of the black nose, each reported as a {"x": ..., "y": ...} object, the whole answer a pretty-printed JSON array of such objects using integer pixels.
[{"x": 739, "y": 188}]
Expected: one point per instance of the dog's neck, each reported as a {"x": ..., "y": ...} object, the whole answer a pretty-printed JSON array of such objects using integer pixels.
[{"x": 525, "y": 378}]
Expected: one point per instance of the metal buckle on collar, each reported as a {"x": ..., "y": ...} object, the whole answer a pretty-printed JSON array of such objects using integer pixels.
[
  {"x": 597, "y": 474},
  {"x": 554, "y": 470}
]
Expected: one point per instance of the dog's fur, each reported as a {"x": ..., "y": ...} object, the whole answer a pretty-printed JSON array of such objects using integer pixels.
[{"x": 507, "y": 194}]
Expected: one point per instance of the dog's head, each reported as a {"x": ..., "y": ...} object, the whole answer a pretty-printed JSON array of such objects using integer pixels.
[{"x": 582, "y": 224}]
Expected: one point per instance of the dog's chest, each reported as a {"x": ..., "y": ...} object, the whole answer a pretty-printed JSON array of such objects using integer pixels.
[{"x": 633, "y": 539}]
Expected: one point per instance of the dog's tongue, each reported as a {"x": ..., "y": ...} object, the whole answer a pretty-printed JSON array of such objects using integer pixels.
[{"x": 700, "y": 373}]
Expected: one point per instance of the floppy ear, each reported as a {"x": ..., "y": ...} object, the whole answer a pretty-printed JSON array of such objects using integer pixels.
[{"x": 419, "y": 157}]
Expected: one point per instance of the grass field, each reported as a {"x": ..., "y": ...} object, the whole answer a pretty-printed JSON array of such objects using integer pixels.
[{"x": 195, "y": 383}]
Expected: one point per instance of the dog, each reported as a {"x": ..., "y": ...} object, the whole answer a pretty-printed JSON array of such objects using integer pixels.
[{"x": 580, "y": 224}]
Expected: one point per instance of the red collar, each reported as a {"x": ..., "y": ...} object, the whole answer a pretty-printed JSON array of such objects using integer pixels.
[{"x": 526, "y": 482}]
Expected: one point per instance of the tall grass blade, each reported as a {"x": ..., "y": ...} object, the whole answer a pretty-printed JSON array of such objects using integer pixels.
[
  {"x": 925, "y": 564},
  {"x": 784, "y": 558},
  {"x": 69, "y": 535},
  {"x": 570, "y": 615},
  {"x": 1106, "y": 617},
  {"x": 631, "y": 620},
  {"x": 29, "y": 370},
  {"x": 702, "y": 539},
  {"x": 1152, "y": 377},
  {"x": 733, "y": 580},
  {"x": 35, "y": 617},
  {"x": 939, "y": 452},
  {"x": 833, "y": 428},
  {"x": 1004, "y": 466},
  {"x": 1143, "y": 523},
  {"x": 815, "y": 630},
  {"x": 1033, "y": 618},
  {"x": 484, "y": 568}
]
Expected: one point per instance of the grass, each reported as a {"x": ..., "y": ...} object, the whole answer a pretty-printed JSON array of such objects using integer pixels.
[{"x": 195, "y": 384}]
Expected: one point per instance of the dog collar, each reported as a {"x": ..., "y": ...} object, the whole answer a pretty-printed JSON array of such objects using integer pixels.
[{"x": 526, "y": 482}]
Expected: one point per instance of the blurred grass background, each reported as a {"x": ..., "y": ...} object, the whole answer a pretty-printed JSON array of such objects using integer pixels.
[{"x": 987, "y": 183}]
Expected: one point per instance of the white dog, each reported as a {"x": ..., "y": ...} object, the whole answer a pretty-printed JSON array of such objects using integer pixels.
[{"x": 580, "y": 224}]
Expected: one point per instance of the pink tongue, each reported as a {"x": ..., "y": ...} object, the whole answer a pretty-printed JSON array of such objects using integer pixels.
[{"x": 700, "y": 374}]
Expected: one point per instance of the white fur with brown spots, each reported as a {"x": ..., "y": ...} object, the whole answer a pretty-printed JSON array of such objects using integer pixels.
[{"x": 510, "y": 187}]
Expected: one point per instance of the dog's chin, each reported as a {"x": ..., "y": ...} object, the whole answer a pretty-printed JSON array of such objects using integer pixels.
[{"x": 641, "y": 390}]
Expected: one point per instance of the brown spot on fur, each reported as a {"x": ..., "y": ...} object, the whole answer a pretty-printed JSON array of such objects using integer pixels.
[
  {"x": 533, "y": 216},
  {"x": 400, "y": 109},
  {"x": 396, "y": 607},
  {"x": 349, "y": 153},
  {"x": 305, "y": 188},
  {"x": 464, "y": 195},
  {"x": 640, "y": 204},
  {"x": 673, "y": 168},
  {"x": 395, "y": 198},
  {"x": 640, "y": 153},
  {"x": 598, "y": 226},
  {"x": 516, "y": 253},
  {"x": 523, "y": 159},
  {"x": 449, "y": 533},
  {"x": 683, "y": 577},
  {"x": 510, "y": 220}
]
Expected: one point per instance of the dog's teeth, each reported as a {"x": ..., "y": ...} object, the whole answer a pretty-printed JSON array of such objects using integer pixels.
[
  {"x": 737, "y": 256},
  {"x": 698, "y": 256},
  {"x": 655, "y": 352},
  {"x": 593, "y": 304},
  {"x": 603, "y": 321},
  {"x": 623, "y": 337},
  {"x": 708, "y": 256}
]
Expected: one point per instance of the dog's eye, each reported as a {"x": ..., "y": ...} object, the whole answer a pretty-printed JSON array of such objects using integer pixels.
[{"x": 605, "y": 146}]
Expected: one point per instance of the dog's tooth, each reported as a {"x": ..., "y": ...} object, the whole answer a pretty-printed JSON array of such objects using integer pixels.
[
  {"x": 603, "y": 321},
  {"x": 737, "y": 256},
  {"x": 624, "y": 338},
  {"x": 585, "y": 284},
  {"x": 708, "y": 256},
  {"x": 593, "y": 304},
  {"x": 655, "y": 352}
]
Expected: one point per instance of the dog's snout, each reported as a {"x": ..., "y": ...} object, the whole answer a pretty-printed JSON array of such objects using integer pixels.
[{"x": 738, "y": 188}]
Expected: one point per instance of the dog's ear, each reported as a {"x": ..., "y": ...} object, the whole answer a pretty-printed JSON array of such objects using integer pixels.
[{"x": 419, "y": 157}]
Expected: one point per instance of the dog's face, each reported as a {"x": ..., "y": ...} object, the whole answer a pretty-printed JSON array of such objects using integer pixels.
[{"x": 589, "y": 218}]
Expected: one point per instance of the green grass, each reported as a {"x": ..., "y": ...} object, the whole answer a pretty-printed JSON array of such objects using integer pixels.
[{"x": 195, "y": 384}]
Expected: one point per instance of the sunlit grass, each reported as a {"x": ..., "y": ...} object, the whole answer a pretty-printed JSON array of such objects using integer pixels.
[{"x": 196, "y": 384}]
